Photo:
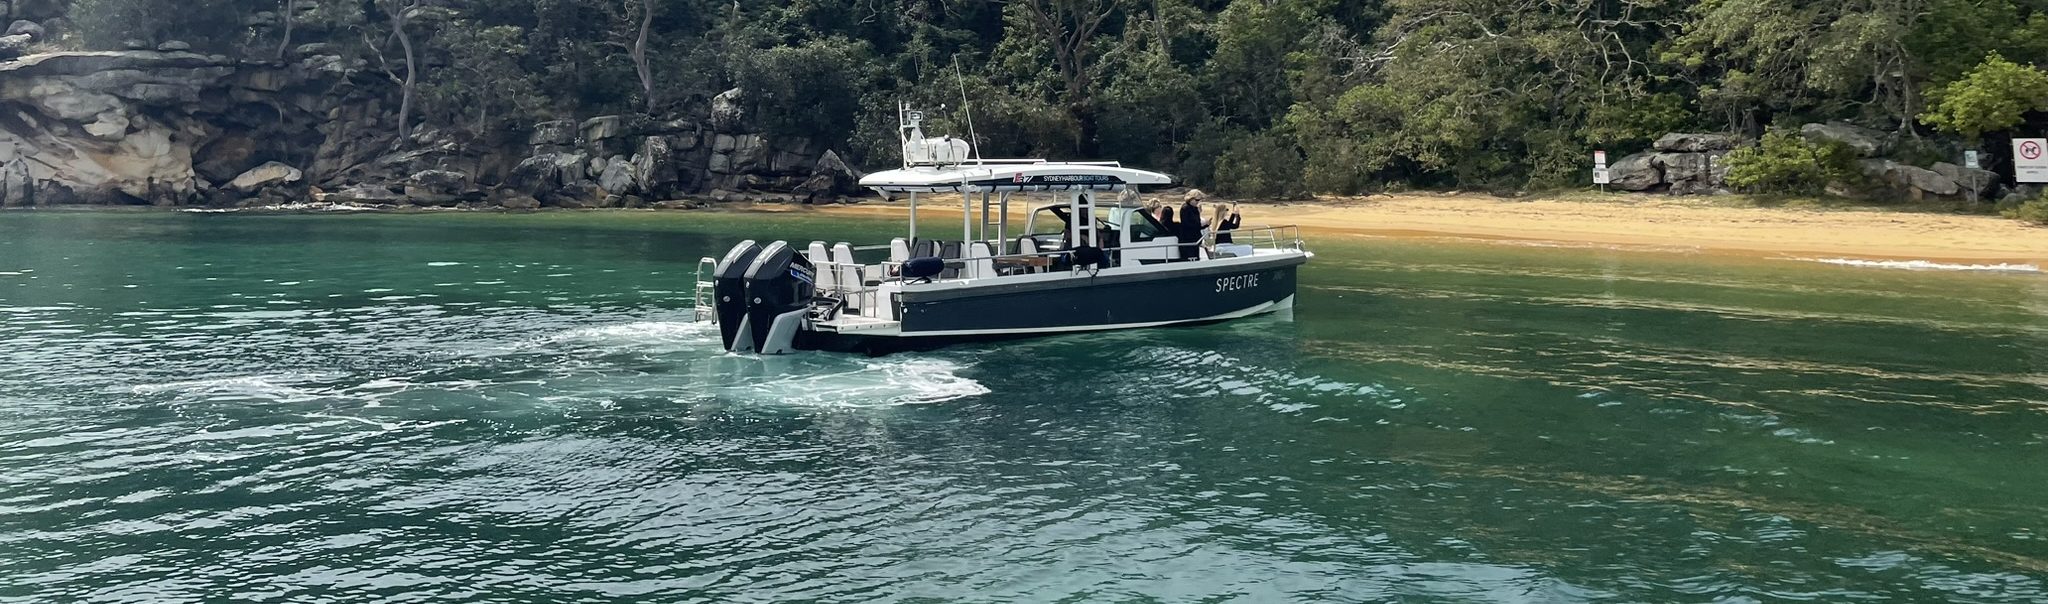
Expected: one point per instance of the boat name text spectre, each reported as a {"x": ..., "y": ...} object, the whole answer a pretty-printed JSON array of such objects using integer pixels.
[{"x": 1240, "y": 282}]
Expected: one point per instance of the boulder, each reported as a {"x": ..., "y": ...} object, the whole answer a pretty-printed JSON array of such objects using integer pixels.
[
  {"x": 174, "y": 46},
  {"x": 1636, "y": 172},
  {"x": 620, "y": 177},
  {"x": 559, "y": 132},
  {"x": 728, "y": 111},
  {"x": 135, "y": 44},
  {"x": 364, "y": 195},
  {"x": 316, "y": 48},
  {"x": 1924, "y": 180},
  {"x": 1914, "y": 179},
  {"x": 1695, "y": 143},
  {"x": 1866, "y": 142},
  {"x": 27, "y": 27},
  {"x": 440, "y": 188},
  {"x": 518, "y": 202},
  {"x": 265, "y": 176},
  {"x": 750, "y": 153},
  {"x": 721, "y": 163},
  {"x": 656, "y": 165},
  {"x": 330, "y": 64},
  {"x": 1690, "y": 167},
  {"x": 603, "y": 128},
  {"x": 111, "y": 126},
  {"x": 15, "y": 45},
  {"x": 1982, "y": 181},
  {"x": 576, "y": 195}
]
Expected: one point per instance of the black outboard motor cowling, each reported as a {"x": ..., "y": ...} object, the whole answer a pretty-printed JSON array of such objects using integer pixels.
[
  {"x": 780, "y": 286},
  {"x": 729, "y": 293}
]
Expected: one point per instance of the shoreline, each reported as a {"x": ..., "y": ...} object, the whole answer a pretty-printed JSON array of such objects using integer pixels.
[
  {"x": 1650, "y": 224},
  {"x": 1643, "y": 223}
]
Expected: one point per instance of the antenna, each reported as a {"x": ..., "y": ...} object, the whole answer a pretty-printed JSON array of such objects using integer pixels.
[{"x": 973, "y": 140}]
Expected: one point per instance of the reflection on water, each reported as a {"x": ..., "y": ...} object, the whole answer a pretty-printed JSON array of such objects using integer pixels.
[{"x": 477, "y": 407}]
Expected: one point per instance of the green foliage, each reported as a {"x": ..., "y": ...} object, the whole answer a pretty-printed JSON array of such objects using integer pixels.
[
  {"x": 1264, "y": 97},
  {"x": 1994, "y": 96},
  {"x": 1786, "y": 163},
  {"x": 2033, "y": 210},
  {"x": 813, "y": 89},
  {"x": 1263, "y": 165},
  {"x": 209, "y": 25}
]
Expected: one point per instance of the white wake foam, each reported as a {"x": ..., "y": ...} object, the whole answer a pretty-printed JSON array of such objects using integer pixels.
[
  {"x": 835, "y": 380},
  {"x": 644, "y": 336},
  {"x": 1925, "y": 265}
]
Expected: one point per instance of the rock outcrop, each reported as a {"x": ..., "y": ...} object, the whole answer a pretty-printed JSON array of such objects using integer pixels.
[
  {"x": 1637, "y": 172},
  {"x": 1866, "y": 142},
  {"x": 1694, "y": 143},
  {"x": 165, "y": 126}
]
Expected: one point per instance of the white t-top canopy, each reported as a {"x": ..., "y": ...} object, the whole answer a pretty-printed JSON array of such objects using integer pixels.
[{"x": 1013, "y": 175}]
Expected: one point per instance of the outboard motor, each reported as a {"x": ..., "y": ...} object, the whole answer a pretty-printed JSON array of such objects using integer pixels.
[
  {"x": 780, "y": 286},
  {"x": 729, "y": 292}
]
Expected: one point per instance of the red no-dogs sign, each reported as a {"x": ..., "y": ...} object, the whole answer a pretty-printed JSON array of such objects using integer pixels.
[{"x": 2028, "y": 164}]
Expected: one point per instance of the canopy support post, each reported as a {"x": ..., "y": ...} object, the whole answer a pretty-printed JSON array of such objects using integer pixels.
[
  {"x": 913, "y": 219},
  {"x": 1003, "y": 223}
]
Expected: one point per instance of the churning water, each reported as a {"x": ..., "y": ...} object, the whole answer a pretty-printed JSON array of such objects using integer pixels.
[{"x": 353, "y": 407}]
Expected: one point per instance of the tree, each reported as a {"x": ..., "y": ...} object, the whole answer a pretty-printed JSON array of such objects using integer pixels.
[
  {"x": 1069, "y": 28},
  {"x": 399, "y": 13},
  {"x": 1995, "y": 96},
  {"x": 633, "y": 27}
]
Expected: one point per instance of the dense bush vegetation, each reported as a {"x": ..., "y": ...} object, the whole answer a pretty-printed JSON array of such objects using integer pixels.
[
  {"x": 1785, "y": 163},
  {"x": 1254, "y": 97}
]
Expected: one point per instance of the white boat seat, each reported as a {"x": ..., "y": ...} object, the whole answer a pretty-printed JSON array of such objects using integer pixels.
[
  {"x": 820, "y": 260},
  {"x": 1028, "y": 247},
  {"x": 848, "y": 273},
  {"x": 979, "y": 265},
  {"x": 899, "y": 250}
]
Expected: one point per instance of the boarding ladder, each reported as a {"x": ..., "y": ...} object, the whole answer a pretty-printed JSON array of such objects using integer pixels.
[{"x": 703, "y": 305}]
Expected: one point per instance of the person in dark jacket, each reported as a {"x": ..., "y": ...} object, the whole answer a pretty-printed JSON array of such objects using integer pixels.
[
  {"x": 1191, "y": 225},
  {"x": 1226, "y": 221}
]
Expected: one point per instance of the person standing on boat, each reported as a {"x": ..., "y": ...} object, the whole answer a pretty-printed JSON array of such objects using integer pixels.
[
  {"x": 1191, "y": 225},
  {"x": 1165, "y": 215},
  {"x": 1226, "y": 221}
]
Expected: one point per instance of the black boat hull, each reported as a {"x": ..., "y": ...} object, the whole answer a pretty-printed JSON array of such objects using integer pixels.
[{"x": 1194, "y": 295}]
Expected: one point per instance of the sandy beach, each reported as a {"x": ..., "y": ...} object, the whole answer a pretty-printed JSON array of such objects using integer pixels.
[{"x": 1692, "y": 225}]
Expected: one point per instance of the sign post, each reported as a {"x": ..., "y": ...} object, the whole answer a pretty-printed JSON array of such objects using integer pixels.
[
  {"x": 2029, "y": 161},
  {"x": 1970, "y": 161},
  {"x": 1600, "y": 175}
]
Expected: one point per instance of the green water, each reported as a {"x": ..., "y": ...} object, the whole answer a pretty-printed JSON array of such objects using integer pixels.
[{"x": 474, "y": 407}]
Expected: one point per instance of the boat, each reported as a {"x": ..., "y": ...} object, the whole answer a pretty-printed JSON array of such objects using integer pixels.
[{"x": 1083, "y": 261}]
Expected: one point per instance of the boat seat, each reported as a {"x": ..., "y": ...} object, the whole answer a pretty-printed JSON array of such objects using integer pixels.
[
  {"x": 979, "y": 264},
  {"x": 1026, "y": 246},
  {"x": 950, "y": 250},
  {"x": 827, "y": 282},
  {"x": 899, "y": 250},
  {"x": 848, "y": 273}
]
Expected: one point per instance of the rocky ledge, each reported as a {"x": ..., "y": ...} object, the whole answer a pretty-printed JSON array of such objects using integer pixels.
[{"x": 170, "y": 127}]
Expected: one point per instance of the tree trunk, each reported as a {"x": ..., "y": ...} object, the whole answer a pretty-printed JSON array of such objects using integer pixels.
[
  {"x": 412, "y": 75},
  {"x": 640, "y": 54},
  {"x": 290, "y": 7}
]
